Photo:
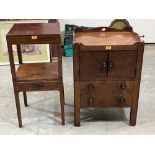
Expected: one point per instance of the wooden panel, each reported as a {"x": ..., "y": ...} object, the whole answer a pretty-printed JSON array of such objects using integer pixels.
[
  {"x": 134, "y": 108},
  {"x": 113, "y": 48},
  {"x": 54, "y": 39},
  {"x": 37, "y": 86},
  {"x": 107, "y": 86},
  {"x": 77, "y": 103},
  {"x": 123, "y": 64},
  {"x": 92, "y": 65},
  {"x": 76, "y": 62},
  {"x": 37, "y": 71},
  {"x": 139, "y": 60},
  {"x": 105, "y": 100},
  {"x": 24, "y": 29}
]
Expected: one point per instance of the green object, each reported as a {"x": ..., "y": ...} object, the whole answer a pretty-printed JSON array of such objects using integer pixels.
[{"x": 68, "y": 50}]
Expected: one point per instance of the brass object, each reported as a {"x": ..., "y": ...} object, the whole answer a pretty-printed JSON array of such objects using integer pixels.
[
  {"x": 90, "y": 87},
  {"x": 37, "y": 85}
]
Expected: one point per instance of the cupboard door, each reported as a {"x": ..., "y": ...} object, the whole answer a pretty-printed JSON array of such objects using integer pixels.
[
  {"x": 122, "y": 64},
  {"x": 93, "y": 65}
]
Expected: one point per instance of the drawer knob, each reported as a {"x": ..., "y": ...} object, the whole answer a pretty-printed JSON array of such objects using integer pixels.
[
  {"x": 122, "y": 86},
  {"x": 104, "y": 65},
  {"x": 90, "y": 87},
  {"x": 121, "y": 100},
  {"x": 110, "y": 65},
  {"x": 37, "y": 85},
  {"x": 90, "y": 100}
]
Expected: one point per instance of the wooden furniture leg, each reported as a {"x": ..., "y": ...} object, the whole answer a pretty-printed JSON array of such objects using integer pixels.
[
  {"x": 25, "y": 98},
  {"x": 77, "y": 103},
  {"x": 51, "y": 52},
  {"x": 20, "y": 62},
  {"x": 19, "y": 54},
  {"x": 62, "y": 102},
  {"x": 133, "y": 116},
  {"x": 16, "y": 93},
  {"x": 18, "y": 108},
  {"x": 134, "y": 108}
]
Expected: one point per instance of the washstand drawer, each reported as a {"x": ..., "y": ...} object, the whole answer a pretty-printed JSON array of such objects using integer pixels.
[
  {"x": 36, "y": 39},
  {"x": 105, "y": 100},
  {"x": 107, "y": 86},
  {"x": 37, "y": 86}
]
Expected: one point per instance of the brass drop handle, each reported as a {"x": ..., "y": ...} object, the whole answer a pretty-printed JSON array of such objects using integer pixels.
[
  {"x": 110, "y": 65},
  {"x": 104, "y": 65},
  {"x": 37, "y": 85},
  {"x": 121, "y": 100},
  {"x": 122, "y": 86},
  {"x": 90, "y": 87},
  {"x": 90, "y": 100}
]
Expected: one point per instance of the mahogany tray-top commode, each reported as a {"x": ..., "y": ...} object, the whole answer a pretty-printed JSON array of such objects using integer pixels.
[{"x": 107, "y": 70}]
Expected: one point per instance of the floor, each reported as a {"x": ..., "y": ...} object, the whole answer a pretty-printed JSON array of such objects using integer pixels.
[{"x": 42, "y": 116}]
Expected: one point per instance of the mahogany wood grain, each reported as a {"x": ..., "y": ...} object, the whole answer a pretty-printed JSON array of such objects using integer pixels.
[
  {"x": 123, "y": 64},
  {"x": 39, "y": 29},
  {"x": 107, "y": 86},
  {"x": 77, "y": 98},
  {"x": 76, "y": 60},
  {"x": 93, "y": 66},
  {"x": 105, "y": 100},
  {"x": 20, "y": 59},
  {"x": 134, "y": 108},
  {"x": 44, "y": 85},
  {"x": 37, "y": 71},
  {"x": 117, "y": 85},
  {"x": 36, "y": 76}
]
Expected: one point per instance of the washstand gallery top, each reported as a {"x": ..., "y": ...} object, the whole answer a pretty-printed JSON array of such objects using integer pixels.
[{"x": 103, "y": 38}]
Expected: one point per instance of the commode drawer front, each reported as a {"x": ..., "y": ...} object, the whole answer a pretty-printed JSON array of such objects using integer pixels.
[
  {"x": 107, "y": 86},
  {"x": 93, "y": 65},
  {"x": 105, "y": 100}
]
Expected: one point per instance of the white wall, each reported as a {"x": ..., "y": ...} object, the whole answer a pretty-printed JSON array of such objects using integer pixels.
[{"x": 141, "y": 26}]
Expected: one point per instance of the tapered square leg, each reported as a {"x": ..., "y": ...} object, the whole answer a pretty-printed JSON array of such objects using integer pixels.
[
  {"x": 18, "y": 108},
  {"x": 77, "y": 103},
  {"x": 134, "y": 108},
  {"x": 133, "y": 116},
  {"x": 77, "y": 117},
  {"x": 25, "y": 99},
  {"x": 62, "y": 102}
]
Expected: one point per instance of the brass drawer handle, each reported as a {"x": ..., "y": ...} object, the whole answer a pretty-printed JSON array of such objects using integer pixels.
[
  {"x": 37, "y": 85},
  {"x": 122, "y": 86},
  {"x": 34, "y": 37},
  {"x": 110, "y": 65},
  {"x": 90, "y": 87},
  {"x": 121, "y": 100},
  {"x": 104, "y": 65},
  {"x": 90, "y": 100}
]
